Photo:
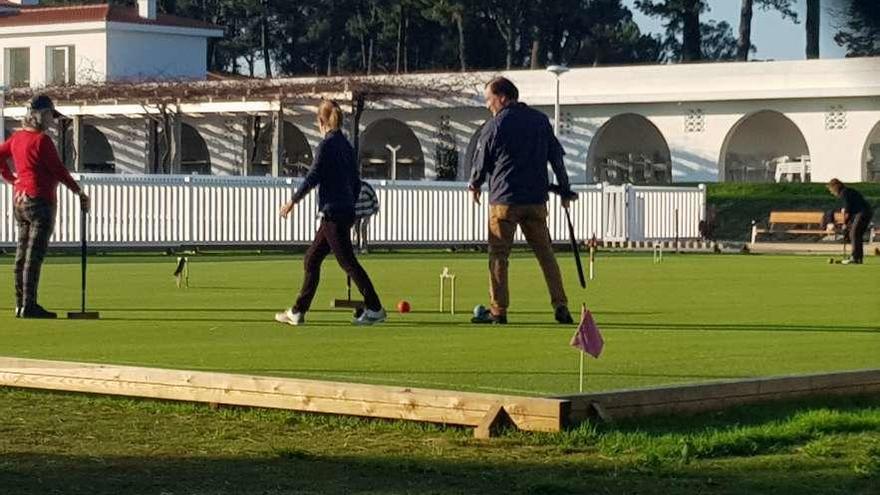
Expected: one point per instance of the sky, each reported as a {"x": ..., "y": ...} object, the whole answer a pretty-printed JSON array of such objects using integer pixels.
[{"x": 774, "y": 37}]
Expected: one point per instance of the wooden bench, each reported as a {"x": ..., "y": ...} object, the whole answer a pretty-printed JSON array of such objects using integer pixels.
[{"x": 797, "y": 223}]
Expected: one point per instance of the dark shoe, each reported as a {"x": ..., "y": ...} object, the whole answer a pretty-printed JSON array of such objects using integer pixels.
[
  {"x": 487, "y": 318},
  {"x": 563, "y": 316},
  {"x": 18, "y": 311},
  {"x": 37, "y": 312}
]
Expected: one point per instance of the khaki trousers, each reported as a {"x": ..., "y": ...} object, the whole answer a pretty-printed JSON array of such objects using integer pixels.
[{"x": 532, "y": 219}]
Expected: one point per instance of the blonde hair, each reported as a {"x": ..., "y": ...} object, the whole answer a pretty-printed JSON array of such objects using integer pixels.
[{"x": 330, "y": 115}]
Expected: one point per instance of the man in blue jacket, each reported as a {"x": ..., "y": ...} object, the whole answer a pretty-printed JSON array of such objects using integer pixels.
[{"x": 513, "y": 151}]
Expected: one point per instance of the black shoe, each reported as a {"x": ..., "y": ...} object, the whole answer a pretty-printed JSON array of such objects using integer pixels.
[
  {"x": 37, "y": 312},
  {"x": 563, "y": 316},
  {"x": 18, "y": 311},
  {"x": 487, "y": 318}
]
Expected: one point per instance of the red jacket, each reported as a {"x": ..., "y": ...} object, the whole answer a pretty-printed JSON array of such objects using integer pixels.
[{"x": 38, "y": 169}]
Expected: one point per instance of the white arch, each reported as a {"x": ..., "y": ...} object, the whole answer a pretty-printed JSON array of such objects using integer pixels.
[
  {"x": 375, "y": 159},
  {"x": 751, "y": 158},
  {"x": 871, "y": 156},
  {"x": 195, "y": 156},
  {"x": 636, "y": 151},
  {"x": 97, "y": 154},
  {"x": 297, "y": 154}
]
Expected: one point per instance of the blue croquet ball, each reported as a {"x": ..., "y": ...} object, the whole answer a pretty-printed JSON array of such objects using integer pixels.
[{"x": 480, "y": 310}]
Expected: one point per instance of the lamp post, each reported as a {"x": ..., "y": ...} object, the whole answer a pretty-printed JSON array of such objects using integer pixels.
[
  {"x": 557, "y": 70},
  {"x": 393, "y": 150}
]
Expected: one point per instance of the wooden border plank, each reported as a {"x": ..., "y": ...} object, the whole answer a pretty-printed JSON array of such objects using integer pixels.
[
  {"x": 438, "y": 406},
  {"x": 703, "y": 397}
]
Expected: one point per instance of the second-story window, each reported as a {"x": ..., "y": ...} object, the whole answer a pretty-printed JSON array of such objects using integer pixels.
[
  {"x": 60, "y": 65},
  {"x": 18, "y": 67}
]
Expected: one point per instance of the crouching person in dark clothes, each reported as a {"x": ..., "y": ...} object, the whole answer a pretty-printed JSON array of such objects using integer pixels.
[
  {"x": 38, "y": 170},
  {"x": 857, "y": 216},
  {"x": 514, "y": 149},
  {"x": 335, "y": 171}
]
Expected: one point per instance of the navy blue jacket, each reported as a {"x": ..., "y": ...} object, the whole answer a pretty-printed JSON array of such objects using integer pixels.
[
  {"x": 854, "y": 203},
  {"x": 514, "y": 149},
  {"x": 335, "y": 170}
]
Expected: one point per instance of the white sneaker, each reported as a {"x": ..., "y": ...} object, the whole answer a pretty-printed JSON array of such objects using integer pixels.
[
  {"x": 369, "y": 317},
  {"x": 290, "y": 318}
]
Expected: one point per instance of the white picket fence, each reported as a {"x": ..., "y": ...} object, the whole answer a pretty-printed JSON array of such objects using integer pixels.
[{"x": 131, "y": 211}]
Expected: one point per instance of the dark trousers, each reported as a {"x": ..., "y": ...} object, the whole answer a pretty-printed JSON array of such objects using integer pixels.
[
  {"x": 334, "y": 235},
  {"x": 36, "y": 221},
  {"x": 857, "y": 228}
]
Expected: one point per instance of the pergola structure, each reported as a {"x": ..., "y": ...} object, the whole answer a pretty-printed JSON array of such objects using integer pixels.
[{"x": 163, "y": 104}]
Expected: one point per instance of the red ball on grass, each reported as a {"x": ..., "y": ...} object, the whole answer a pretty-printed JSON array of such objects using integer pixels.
[{"x": 403, "y": 307}]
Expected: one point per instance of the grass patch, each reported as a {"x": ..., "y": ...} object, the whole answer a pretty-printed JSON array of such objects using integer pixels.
[
  {"x": 690, "y": 319},
  {"x": 68, "y": 443}
]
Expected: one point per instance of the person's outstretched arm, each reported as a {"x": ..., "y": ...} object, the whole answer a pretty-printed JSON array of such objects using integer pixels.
[
  {"x": 311, "y": 180},
  {"x": 556, "y": 157},
  {"x": 53, "y": 161},
  {"x": 5, "y": 171}
]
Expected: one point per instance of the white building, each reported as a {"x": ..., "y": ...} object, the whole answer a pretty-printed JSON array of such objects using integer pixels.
[
  {"x": 59, "y": 45},
  {"x": 758, "y": 121}
]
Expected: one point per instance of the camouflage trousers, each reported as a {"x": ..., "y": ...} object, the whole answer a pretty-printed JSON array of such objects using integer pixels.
[{"x": 36, "y": 221}]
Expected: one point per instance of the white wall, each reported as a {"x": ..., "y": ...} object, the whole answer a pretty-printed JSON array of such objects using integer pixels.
[
  {"x": 128, "y": 139},
  {"x": 91, "y": 56},
  {"x": 136, "y": 55}
]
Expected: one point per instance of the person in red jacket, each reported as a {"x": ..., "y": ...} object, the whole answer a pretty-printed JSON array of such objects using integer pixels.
[{"x": 38, "y": 171}]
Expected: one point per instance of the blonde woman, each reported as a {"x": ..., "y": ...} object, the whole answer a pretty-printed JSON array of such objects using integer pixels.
[{"x": 335, "y": 170}]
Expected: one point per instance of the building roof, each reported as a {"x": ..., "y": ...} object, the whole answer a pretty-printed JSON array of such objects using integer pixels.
[
  {"x": 37, "y": 15},
  {"x": 844, "y": 78}
]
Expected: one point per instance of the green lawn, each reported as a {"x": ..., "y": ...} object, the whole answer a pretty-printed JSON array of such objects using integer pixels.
[
  {"x": 74, "y": 444},
  {"x": 692, "y": 318}
]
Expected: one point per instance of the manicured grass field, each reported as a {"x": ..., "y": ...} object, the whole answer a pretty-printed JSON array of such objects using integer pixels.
[
  {"x": 692, "y": 318},
  {"x": 76, "y": 444}
]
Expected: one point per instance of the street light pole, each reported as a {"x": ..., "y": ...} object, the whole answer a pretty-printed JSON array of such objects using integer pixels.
[
  {"x": 557, "y": 70},
  {"x": 393, "y": 150}
]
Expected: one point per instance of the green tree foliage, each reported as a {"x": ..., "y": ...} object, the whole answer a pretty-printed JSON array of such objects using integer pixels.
[
  {"x": 860, "y": 30},
  {"x": 335, "y": 37}
]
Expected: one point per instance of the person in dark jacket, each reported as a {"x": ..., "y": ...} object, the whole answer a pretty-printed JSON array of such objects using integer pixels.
[
  {"x": 334, "y": 171},
  {"x": 38, "y": 171},
  {"x": 857, "y": 214},
  {"x": 513, "y": 151}
]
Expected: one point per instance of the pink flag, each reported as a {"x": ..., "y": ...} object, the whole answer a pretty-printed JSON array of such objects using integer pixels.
[{"x": 587, "y": 338}]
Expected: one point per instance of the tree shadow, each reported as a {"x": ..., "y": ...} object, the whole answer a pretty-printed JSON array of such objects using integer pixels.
[{"x": 290, "y": 471}]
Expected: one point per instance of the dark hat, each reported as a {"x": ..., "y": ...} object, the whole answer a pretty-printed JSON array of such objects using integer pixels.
[{"x": 43, "y": 102}]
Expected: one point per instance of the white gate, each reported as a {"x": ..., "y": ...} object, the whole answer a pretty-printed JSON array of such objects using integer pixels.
[{"x": 615, "y": 221}]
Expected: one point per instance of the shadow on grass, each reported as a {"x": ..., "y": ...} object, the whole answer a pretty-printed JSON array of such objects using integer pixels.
[
  {"x": 397, "y": 322},
  {"x": 302, "y": 472}
]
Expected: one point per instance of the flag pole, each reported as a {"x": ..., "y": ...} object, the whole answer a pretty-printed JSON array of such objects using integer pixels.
[{"x": 582, "y": 372}]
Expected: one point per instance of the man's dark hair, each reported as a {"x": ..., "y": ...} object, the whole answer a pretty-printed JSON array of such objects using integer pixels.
[{"x": 502, "y": 86}]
